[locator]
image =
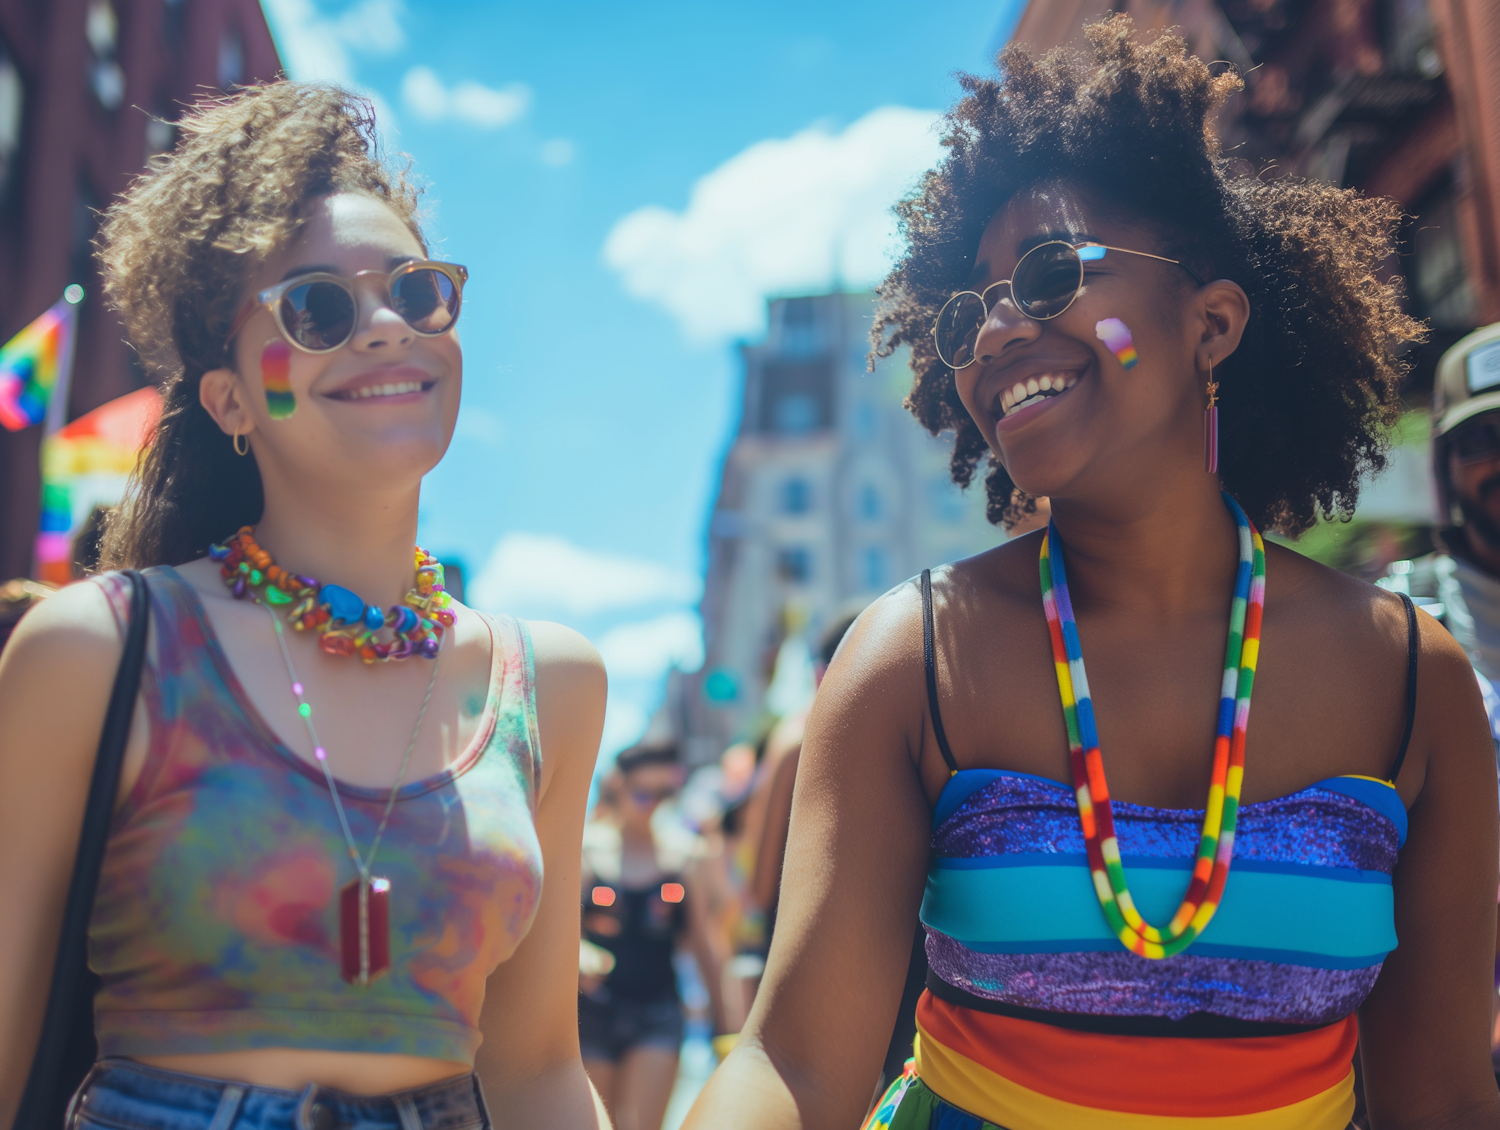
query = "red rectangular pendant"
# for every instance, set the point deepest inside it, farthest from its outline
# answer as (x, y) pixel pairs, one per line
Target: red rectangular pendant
(365, 930)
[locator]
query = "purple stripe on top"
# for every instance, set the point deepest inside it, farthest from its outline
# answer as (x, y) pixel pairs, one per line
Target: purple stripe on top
(1027, 814)
(1017, 814)
(1122, 984)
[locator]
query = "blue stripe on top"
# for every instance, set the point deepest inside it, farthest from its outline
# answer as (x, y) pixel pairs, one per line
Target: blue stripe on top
(1310, 886)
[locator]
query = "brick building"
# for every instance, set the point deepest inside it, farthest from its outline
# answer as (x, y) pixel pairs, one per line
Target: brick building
(1398, 98)
(88, 92)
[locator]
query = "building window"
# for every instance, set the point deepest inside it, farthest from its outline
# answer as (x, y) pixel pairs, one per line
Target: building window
(874, 567)
(161, 131)
(231, 59)
(870, 508)
(945, 501)
(794, 564)
(796, 413)
(12, 103)
(102, 29)
(801, 335)
(796, 496)
(1439, 275)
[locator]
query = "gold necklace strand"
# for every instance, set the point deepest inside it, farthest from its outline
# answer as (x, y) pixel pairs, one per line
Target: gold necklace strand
(362, 865)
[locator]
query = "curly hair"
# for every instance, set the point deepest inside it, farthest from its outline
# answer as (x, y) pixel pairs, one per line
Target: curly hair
(176, 248)
(1309, 396)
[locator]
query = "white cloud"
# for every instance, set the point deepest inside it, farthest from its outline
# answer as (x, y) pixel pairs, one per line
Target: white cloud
(558, 152)
(783, 215)
(542, 574)
(646, 649)
(316, 47)
(471, 102)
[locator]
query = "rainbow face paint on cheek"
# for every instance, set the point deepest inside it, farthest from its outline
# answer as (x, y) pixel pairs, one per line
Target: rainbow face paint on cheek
(1115, 334)
(276, 375)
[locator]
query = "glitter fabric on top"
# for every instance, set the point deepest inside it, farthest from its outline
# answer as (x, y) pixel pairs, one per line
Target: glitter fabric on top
(1121, 984)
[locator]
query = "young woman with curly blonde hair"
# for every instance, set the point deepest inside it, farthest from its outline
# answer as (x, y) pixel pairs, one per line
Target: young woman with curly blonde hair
(322, 901)
(1146, 905)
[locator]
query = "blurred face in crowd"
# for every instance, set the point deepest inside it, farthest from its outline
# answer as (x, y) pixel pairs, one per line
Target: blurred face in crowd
(645, 787)
(1475, 480)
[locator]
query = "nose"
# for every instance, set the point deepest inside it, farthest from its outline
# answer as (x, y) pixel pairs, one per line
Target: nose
(1004, 329)
(380, 327)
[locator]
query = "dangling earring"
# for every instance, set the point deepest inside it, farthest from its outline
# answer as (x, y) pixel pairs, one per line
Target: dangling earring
(1211, 424)
(236, 441)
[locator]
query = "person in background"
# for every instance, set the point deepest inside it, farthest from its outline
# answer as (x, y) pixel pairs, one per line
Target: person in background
(1466, 467)
(641, 901)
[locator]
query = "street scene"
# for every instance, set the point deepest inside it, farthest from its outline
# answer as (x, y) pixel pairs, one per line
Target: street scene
(484, 482)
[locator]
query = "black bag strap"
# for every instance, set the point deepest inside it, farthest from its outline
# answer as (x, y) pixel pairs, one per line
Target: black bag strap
(929, 664)
(1411, 684)
(66, 1049)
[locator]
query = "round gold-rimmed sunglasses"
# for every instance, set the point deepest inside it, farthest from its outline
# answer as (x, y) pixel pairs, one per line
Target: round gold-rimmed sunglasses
(319, 312)
(1045, 283)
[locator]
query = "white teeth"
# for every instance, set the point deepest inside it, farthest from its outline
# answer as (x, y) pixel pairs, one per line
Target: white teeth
(1025, 393)
(388, 390)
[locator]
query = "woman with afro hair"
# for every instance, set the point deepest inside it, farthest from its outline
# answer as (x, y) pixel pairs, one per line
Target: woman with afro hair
(1197, 925)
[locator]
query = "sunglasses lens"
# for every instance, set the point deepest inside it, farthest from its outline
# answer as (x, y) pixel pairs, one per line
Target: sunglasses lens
(1047, 279)
(318, 315)
(427, 299)
(958, 326)
(1478, 440)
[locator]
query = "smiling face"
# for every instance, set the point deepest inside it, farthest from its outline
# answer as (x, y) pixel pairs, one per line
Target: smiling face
(1114, 384)
(377, 411)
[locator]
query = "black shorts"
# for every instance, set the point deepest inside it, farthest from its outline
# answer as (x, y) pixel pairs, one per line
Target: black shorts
(608, 1029)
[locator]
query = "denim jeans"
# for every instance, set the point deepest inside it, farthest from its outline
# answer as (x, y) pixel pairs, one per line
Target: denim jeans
(122, 1095)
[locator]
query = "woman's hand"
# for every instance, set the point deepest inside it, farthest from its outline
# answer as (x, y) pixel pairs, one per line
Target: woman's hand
(529, 1062)
(811, 1052)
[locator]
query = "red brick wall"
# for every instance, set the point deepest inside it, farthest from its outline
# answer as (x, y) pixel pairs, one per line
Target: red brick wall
(74, 153)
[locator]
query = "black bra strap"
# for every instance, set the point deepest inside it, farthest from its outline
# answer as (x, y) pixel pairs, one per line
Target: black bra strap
(929, 662)
(1411, 684)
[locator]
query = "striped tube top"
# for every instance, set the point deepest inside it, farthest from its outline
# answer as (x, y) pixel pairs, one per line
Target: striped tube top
(1037, 1017)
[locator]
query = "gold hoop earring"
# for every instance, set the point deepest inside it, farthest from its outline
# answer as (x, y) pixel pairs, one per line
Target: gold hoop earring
(236, 441)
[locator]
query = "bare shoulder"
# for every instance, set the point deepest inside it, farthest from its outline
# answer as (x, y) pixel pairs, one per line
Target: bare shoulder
(1365, 614)
(73, 630)
(570, 691)
(565, 657)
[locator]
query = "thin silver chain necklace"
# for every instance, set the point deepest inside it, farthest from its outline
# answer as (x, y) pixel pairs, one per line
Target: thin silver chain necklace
(364, 905)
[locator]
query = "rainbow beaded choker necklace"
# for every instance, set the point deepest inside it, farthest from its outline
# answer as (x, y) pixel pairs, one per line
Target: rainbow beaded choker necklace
(345, 624)
(1216, 846)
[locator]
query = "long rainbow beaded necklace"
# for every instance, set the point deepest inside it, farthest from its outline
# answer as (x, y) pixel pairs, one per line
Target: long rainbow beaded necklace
(1095, 812)
(345, 624)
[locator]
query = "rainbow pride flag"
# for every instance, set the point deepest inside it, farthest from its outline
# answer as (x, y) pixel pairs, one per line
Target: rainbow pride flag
(32, 362)
(84, 465)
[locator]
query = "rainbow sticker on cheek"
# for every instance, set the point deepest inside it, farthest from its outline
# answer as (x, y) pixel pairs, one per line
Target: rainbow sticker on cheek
(276, 375)
(1115, 334)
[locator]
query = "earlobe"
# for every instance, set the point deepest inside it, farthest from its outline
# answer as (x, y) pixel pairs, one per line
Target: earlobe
(1226, 310)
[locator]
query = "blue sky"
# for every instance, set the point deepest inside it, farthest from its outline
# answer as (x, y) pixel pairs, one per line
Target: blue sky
(626, 183)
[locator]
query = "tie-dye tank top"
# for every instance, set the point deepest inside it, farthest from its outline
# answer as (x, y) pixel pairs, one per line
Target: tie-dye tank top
(216, 924)
(1036, 1017)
